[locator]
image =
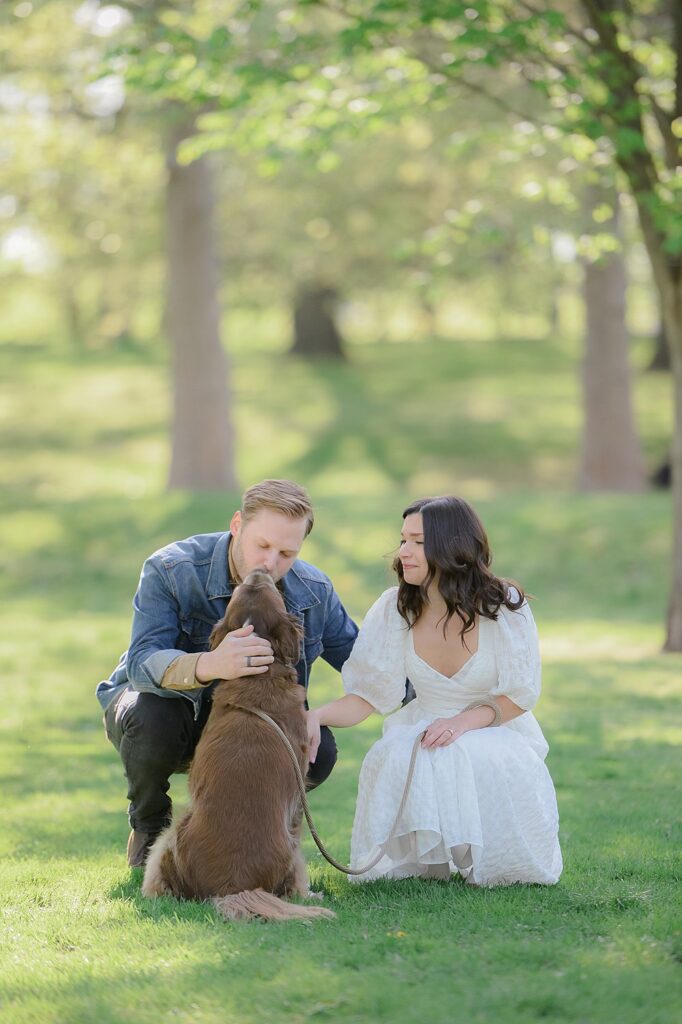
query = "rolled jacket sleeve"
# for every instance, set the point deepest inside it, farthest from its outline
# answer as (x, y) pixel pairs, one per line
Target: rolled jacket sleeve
(375, 669)
(517, 652)
(181, 674)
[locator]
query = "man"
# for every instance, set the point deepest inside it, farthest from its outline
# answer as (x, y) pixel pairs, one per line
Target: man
(158, 698)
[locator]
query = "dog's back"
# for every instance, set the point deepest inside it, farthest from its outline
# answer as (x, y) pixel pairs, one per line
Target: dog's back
(240, 833)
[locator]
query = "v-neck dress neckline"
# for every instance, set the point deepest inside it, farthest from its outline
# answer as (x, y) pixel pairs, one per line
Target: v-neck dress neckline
(442, 675)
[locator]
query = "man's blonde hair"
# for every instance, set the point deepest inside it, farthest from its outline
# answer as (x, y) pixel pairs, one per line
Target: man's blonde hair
(282, 496)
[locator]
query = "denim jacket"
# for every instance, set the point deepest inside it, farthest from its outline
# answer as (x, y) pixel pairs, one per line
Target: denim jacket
(184, 590)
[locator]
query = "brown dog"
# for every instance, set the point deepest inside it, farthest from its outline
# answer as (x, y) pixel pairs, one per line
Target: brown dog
(239, 843)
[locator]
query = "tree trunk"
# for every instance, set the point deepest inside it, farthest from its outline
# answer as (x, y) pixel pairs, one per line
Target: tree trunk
(673, 327)
(73, 314)
(428, 316)
(667, 272)
(202, 435)
(611, 458)
(553, 312)
(660, 360)
(315, 331)
(642, 171)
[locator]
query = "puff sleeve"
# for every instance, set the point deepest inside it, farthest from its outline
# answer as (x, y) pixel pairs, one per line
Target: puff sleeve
(518, 657)
(375, 669)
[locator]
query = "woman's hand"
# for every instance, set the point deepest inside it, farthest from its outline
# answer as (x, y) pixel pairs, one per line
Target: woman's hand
(444, 731)
(313, 725)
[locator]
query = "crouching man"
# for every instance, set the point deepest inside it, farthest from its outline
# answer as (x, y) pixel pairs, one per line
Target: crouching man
(157, 700)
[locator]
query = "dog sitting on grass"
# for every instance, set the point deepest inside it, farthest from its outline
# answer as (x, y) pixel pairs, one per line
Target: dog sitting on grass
(238, 845)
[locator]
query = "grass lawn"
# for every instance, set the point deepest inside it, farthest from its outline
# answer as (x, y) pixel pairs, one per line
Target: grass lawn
(82, 463)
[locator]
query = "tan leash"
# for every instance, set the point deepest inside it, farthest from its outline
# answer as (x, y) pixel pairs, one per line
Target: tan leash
(304, 799)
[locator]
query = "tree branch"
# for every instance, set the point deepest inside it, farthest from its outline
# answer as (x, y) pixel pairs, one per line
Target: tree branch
(664, 121)
(473, 87)
(677, 51)
(599, 12)
(576, 33)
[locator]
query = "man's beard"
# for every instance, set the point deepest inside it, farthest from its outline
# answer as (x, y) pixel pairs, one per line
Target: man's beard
(236, 570)
(234, 561)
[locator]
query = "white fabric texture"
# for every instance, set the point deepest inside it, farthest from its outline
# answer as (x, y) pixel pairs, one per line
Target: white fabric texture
(485, 805)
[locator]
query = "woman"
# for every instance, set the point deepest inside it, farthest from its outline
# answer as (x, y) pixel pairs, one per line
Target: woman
(481, 801)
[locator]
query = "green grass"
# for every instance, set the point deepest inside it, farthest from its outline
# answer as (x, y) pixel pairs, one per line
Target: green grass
(83, 458)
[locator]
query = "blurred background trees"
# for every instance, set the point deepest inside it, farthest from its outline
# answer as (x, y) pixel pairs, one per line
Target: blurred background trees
(79, 176)
(313, 178)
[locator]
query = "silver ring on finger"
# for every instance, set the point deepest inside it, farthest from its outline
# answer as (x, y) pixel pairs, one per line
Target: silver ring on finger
(451, 731)
(248, 661)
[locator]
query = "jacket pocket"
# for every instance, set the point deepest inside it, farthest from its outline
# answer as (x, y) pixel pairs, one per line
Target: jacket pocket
(196, 633)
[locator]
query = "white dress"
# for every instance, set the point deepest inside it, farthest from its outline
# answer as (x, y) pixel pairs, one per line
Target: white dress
(484, 806)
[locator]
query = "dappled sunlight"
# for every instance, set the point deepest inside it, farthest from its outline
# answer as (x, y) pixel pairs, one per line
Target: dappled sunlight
(443, 480)
(451, 423)
(644, 728)
(31, 529)
(653, 680)
(448, 242)
(84, 469)
(584, 640)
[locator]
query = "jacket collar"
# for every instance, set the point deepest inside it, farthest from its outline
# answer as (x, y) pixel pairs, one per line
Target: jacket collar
(218, 582)
(298, 596)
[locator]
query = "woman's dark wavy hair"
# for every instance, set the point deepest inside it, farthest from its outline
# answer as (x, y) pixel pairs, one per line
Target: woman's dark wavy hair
(458, 554)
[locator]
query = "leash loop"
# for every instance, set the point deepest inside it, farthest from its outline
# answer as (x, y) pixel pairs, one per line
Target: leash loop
(304, 798)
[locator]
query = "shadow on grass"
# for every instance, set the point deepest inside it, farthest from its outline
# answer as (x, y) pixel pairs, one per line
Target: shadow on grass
(94, 562)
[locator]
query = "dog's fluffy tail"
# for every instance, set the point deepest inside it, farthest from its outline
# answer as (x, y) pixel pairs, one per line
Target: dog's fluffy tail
(160, 869)
(252, 903)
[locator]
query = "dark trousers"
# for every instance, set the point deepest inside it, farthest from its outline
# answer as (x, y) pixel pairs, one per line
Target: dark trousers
(156, 738)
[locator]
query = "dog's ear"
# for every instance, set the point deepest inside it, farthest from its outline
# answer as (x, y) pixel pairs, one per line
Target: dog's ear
(285, 636)
(237, 614)
(218, 633)
(223, 627)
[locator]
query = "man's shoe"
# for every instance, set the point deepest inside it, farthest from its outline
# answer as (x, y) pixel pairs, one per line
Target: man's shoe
(139, 845)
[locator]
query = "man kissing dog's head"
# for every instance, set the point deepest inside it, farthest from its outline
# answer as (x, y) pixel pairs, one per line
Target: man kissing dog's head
(269, 529)
(257, 602)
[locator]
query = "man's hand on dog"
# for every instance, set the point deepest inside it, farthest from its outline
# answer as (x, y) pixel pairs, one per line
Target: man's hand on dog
(228, 660)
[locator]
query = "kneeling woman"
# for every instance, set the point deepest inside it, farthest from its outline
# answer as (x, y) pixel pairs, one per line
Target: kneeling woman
(481, 801)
